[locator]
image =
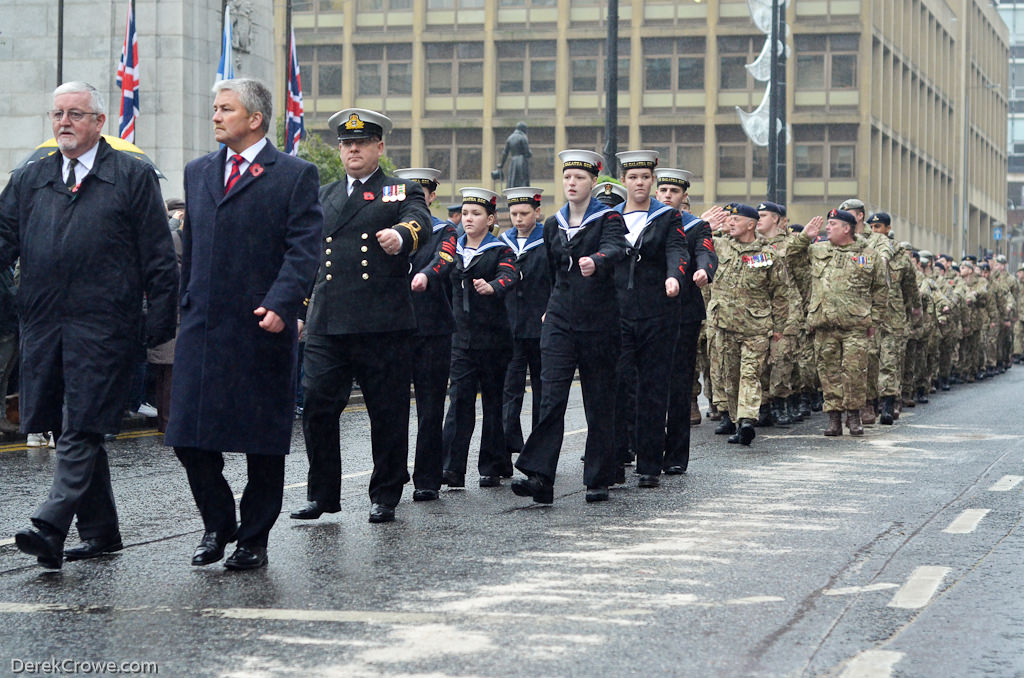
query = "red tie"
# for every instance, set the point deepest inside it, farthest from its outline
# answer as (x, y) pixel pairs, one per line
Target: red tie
(236, 173)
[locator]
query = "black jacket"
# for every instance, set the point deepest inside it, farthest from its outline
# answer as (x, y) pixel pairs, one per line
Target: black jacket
(527, 302)
(481, 320)
(702, 256)
(360, 288)
(586, 304)
(433, 306)
(659, 253)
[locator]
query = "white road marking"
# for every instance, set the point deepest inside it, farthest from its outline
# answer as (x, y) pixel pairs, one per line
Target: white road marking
(872, 664)
(967, 521)
(920, 588)
(6, 542)
(1006, 483)
(342, 616)
(848, 590)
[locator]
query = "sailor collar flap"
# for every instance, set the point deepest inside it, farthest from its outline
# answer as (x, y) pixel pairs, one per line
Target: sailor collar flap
(595, 210)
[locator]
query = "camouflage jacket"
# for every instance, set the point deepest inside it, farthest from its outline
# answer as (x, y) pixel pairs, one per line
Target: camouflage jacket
(848, 287)
(745, 286)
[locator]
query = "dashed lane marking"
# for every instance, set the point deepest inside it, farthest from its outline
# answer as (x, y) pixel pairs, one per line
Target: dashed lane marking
(967, 521)
(920, 588)
(1006, 483)
(848, 590)
(872, 664)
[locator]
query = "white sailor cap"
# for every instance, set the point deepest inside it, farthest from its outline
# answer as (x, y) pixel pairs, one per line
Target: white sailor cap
(520, 195)
(426, 176)
(637, 160)
(360, 123)
(676, 177)
(574, 158)
(609, 188)
(472, 195)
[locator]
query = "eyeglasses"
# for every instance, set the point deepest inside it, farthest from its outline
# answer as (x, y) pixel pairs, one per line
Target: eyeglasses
(75, 116)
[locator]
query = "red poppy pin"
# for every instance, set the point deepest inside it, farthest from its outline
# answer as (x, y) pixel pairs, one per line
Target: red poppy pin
(256, 169)
(367, 195)
(74, 189)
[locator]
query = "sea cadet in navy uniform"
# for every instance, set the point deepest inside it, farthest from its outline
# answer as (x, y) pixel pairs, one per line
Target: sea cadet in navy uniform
(673, 185)
(483, 274)
(526, 304)
(610, 193)
(584, 240)
(360, 319)
(648, 282)
(431, 300)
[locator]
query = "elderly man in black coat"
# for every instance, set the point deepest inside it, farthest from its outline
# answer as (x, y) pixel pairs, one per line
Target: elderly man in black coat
(90, 228)
(252, 222)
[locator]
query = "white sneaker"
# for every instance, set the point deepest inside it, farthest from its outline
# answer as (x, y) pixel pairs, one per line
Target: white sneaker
(36, 440)
(51, 441)
(146, 410)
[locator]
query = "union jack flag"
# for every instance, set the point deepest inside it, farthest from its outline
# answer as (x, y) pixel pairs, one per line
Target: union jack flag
(294, 127)
(128, 81)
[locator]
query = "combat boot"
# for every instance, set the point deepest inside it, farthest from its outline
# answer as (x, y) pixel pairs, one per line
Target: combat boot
(867, 414)
(835, 423)
(853, 423)
(695, 418)
(779, 413)
(793, 408)
(908, 401)
(726, 427)
(886, 417)
(764, 416)
(805, 405)
(943, 383)
(713, 413)
(818, 402)
(921, 397)
(744, 434)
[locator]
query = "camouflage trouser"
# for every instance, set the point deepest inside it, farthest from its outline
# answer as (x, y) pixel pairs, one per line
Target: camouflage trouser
(892, 347)
(808, 363)
(702, 366)
(717, 394)
(742, 362)
(1005, 343)
(948, 348)
(778, 378)
(991, 335)
(931, 370)
(871, 368)
(914, 366)
(842, 363)
(1018, 337)
(970, 355)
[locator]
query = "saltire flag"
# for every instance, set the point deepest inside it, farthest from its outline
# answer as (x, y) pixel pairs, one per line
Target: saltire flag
(294, 127)
(226, 67)
(128, 81)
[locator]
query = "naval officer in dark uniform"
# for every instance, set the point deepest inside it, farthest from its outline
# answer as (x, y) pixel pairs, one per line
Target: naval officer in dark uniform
(584, 240)
(360, 319)
(432, 302)
(525, 304)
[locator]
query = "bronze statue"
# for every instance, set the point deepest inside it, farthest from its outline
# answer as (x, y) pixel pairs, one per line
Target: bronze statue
(518, 147)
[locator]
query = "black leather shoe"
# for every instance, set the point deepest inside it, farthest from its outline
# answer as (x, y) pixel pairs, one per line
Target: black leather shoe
(533, 486)
(597, 494)
(453, 479)
(91, 548)
(379, 513)
(211, 548)
(45, 544)
(649, 481)
(313, 510)
(424, 495)
(247, 558)
(675, 470)
(490, 481)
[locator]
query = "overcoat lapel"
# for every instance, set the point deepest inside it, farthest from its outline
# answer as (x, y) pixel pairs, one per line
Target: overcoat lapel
(257, 169)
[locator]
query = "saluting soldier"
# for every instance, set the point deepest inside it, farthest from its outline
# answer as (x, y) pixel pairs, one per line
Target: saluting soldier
(525, 304)
(648, 281)
(584, 240)
(847, 299)
(360, 319)
(673, 185)
(483, 274)
(432, 345)
(742, 311)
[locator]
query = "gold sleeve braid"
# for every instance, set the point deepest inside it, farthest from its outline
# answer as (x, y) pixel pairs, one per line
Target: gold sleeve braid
(414, 231)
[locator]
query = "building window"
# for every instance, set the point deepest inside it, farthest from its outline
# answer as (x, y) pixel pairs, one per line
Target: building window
(526, 67)
(825, 151)
(384, 69)
(398, 147)
(320, 69)
(587, 62)
(673, 64)
(739, 158)
(826, 62)
(679, 146)
(735, 52)
(455, 68)
(456, 153)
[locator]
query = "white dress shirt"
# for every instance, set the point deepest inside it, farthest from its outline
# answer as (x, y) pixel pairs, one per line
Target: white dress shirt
(84, 166)
(249, 156)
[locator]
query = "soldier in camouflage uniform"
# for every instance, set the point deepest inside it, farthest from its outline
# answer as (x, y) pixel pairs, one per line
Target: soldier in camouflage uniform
(1018, 325)
(1006, 307)
(951, 331)
(937, 310)
(777, 381)
(990, 329)
(902, 303)
(741, 309)
(848, 297)
(805, 368)
(972, 358)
